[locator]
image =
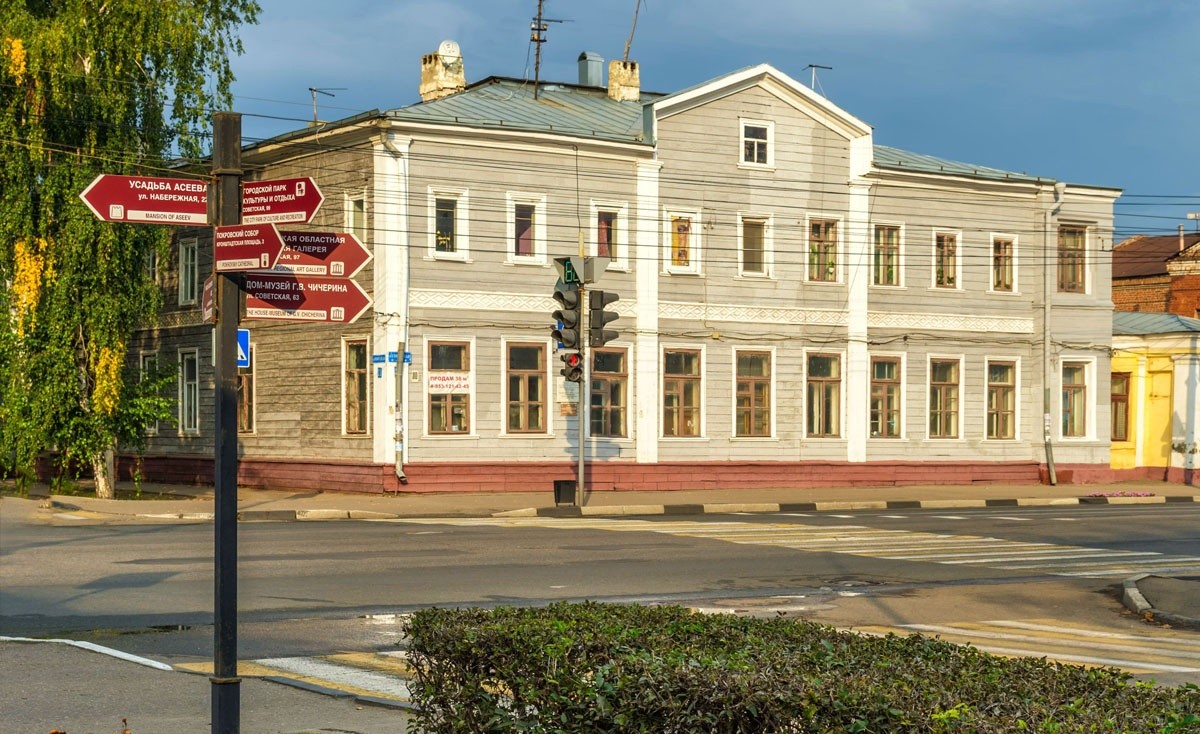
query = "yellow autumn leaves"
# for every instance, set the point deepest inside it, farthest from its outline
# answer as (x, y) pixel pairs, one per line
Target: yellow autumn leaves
(14, 56)
(33, 268)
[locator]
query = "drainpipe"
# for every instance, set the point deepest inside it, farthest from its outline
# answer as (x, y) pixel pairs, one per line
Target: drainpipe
(1047, 422)
(401, 456)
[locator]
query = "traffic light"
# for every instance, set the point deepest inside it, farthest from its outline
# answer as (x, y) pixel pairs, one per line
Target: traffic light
(572, 368)
(598, 317)
(568, 315)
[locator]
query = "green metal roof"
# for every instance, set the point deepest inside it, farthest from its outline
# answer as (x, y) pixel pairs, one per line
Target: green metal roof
(1135, 323)
(509, 104)
(902, 160)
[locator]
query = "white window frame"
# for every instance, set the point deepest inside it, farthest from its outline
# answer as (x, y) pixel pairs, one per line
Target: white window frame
(621, 209)
(839, 249)
(743, 123)
(188, 405)
(1087, 256)
(694, 242)
(662, 377)
(768, 244)
(1017, 402)
(1089, 398)
(899, 255)
(842, 367)
(346, 341)
(359, 230)
(962, 404)
(462, 221)
(733, 425)
(189, 271)
(958, 260)
(1016, 249)
(902, 358)
(143, 359)
(473, 360)
(538, 202)
(630, 375)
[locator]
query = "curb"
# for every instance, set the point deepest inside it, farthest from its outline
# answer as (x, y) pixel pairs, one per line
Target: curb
(839, 506)
(1136, 602)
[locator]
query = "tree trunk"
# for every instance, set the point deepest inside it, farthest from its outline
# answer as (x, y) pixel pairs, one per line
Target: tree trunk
(104, 471)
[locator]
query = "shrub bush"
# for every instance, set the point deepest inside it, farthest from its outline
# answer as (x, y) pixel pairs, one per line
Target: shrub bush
(593, 668)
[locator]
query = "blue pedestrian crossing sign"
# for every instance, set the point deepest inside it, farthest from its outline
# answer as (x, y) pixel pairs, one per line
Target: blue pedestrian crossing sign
(243, 351)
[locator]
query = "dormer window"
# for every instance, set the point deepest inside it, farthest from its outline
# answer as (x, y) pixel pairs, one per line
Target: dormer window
(756, 143)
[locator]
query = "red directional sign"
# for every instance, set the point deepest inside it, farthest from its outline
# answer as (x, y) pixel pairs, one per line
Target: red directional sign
(322, 253)
(282, 200)
(246, 247)
(115, 198)
(283, 297)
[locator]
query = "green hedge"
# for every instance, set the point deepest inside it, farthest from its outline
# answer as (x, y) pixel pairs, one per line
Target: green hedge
(578, 668)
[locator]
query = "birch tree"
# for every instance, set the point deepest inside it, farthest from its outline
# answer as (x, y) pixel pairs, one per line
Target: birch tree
(90, 87)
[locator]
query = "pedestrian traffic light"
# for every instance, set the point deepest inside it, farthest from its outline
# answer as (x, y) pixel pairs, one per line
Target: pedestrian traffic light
(568, 316)
(599, 316)
(572, 366)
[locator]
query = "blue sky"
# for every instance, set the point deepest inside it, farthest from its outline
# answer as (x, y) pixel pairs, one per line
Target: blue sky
(1099, 92)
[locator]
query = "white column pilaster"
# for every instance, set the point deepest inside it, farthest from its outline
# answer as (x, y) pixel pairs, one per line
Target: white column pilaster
(389, 244)
(858, 278)
(646, 263)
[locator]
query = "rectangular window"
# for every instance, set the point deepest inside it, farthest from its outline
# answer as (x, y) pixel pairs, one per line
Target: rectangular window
(885, 397)
(753, 406)
(188, 275)
(449, 388)
(610, 393)
(1074, 400)
(681, 392)
(354, 386)
(822, 250)
(606, 233)
(189, 392)
(1120, 407)
(149, 370)
(756, 138)
(1002, 264)
(526, 388)
(1072, 260)
(945, 258)
(523, 230)
(448, 222)
(356, 217)
(1001, 400)
(885, 264)
(150, 264)
(681, 234)
(245, 396)
(943, 398)
(754, 246)
(824, 395)
(445, 217)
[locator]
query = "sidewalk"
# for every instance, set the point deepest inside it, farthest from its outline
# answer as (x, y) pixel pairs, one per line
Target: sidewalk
(1170, 600)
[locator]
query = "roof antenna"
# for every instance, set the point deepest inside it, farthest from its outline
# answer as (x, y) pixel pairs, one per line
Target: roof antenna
(629, 42)
(327, 91)
(814, 67)
(538, 27)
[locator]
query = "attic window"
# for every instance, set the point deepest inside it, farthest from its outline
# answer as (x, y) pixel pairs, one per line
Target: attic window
(756, 143)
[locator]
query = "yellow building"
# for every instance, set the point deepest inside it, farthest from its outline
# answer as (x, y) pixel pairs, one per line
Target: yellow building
(1155, 415)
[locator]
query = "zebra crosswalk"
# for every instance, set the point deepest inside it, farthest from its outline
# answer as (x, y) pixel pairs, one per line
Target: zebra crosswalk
(378, 677)
(1150, 652)
(900, 545)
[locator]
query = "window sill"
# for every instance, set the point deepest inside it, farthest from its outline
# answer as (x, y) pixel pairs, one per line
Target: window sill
(532, 434)
(753, 439)
(993, 292)
(529, 261)
(944, 289)
(451, 436)
(824, 283)
(449, 258)
(682, 439)
(886, 287)
(692, 273)
(747, 166)
(755, 276)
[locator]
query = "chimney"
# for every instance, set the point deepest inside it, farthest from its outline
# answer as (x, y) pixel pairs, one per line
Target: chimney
(442, 72)
(624, 82)
(591, 69)
(1181, 239)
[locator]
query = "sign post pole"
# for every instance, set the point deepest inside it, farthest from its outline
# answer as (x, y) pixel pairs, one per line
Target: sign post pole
(226, 693)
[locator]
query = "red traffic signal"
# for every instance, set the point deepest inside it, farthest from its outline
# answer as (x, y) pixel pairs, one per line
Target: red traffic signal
(572, 368)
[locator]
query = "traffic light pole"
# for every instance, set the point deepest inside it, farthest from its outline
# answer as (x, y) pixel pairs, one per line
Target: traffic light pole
(584, 395)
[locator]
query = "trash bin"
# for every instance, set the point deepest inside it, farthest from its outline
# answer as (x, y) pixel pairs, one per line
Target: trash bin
(564, 491)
